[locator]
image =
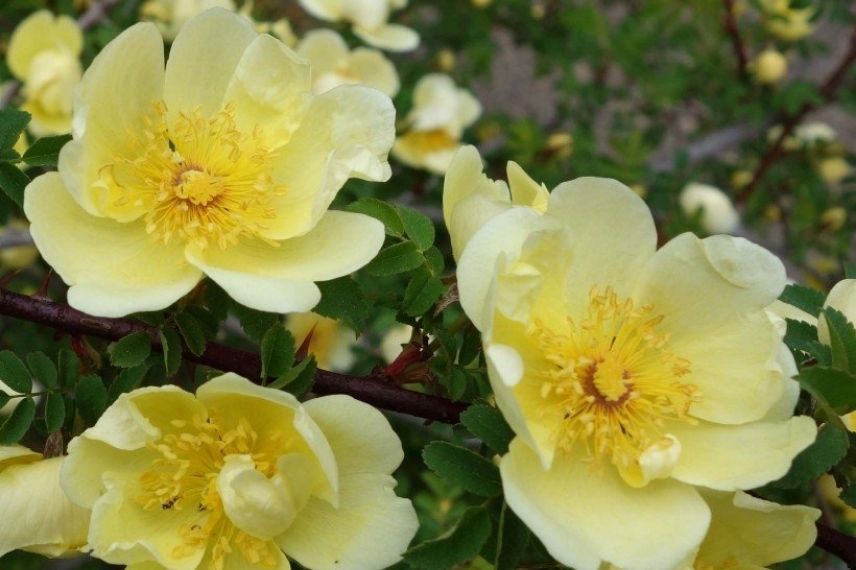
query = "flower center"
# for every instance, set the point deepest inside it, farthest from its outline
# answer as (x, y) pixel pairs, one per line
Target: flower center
(201, 179)
(183, 482)
(610, 383)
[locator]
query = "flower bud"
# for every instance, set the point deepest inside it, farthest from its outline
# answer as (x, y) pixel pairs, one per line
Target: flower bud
(834, 169)
(770, 67)
(718, 215)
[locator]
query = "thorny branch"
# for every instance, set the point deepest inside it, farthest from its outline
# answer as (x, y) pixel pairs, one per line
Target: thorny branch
(740, 52)
(373, 390)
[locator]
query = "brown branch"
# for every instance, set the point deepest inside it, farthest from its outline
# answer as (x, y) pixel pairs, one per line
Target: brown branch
(828, 91)
(729, 22)
(841, 545)
(373, 390)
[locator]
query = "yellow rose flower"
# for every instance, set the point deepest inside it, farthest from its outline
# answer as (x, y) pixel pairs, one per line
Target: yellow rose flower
(230, 478)
(43, 54)
(334, 65)
(786, 23)
(770, 67)
(631, 376)
(171, 15)
(833, 169)
(370, 21)
(718, 215)
(37, 516)
(223, 165)
(331, 341)
(441, 111)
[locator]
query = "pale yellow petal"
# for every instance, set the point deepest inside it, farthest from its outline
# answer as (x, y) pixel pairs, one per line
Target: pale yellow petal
(586, 516)
(324, 9)
(118, 92)
(728, 457)
(346, 133)
(391, 37)
(360, 436)
(369, 530)
(39, 32)
(16, 455)
(372, 69)
(753, 531)
(325, 50)
(842, 297)
(37, 516)
(203, 60)
(524, 190)
(102, 259)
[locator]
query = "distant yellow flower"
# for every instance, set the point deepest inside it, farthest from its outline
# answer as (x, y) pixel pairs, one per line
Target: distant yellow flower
(331, 341)
(223, 165)
(232, 477)
(171, 15)
(37, 516)
(370, 21)
(786, 23)
(43, 54)
(630, 376)
(441, 111)
(281, 29)
(334, 65)
(833, 169)
(770, 67)
(718, 215)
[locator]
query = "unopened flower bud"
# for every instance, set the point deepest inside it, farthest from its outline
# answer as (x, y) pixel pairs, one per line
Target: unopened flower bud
(770, 67)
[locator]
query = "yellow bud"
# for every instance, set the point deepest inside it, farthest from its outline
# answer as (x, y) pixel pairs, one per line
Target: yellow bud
(770, 67)
(833, 219)
(740, 178)
(560, 145)
(538, 11)
(446, 60)
(833, 169)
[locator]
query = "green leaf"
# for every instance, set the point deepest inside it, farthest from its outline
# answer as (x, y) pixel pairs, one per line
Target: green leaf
(421, 293)
(382, 211)
(842, 339)
(17, 424)
(298, 381)
(13, 182)
(435, 259)
(14, 374)
(805, 298)
(255, 323)
(277, 351)
(343, 300)
(43, 369)
(12, 124)
(512, 538)
(829, 448)
(419, 228)
(486, 423)
(128, 379)
(4, 398)
(131, 350)
(800, 336)
(396, 258)
(463, 467)
(69, 367)
(835, 387)
(192, 332)
(45, 151)
(54, 411)
(460, 544)
(171, 346)
(90, 394)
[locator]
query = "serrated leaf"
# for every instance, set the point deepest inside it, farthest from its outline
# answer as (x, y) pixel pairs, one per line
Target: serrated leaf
(12, 124)
(13, 182)
(19, 421)
(457, 383)
(68, 367)
(435, 259)
(842, 339)
(486, 423)
(128, 379)
(836, 388)
(131, 350)
(298, 380)
(818, 458)
(45, 151)
(423, 290)
(192, 332)
(14, 373)
(382, 211)
(804, 298)
(255, 323)
(43, 369)
(277, 351)
(90, 395)
(54, 411)
(206, 319)
(512, 538)
(397, 258)
(463, 467)
(419, 228)
(343, 300)
(460, 544)
(171, 347)
(800, 336)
